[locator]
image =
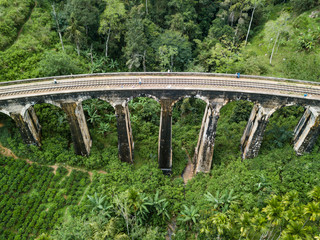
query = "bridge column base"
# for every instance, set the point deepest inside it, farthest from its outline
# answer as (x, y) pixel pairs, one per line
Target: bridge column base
(253, 134)
(307, 131)
(29, 126)
(125, 140)
(165, 137)
(78, 126)
(204, 151)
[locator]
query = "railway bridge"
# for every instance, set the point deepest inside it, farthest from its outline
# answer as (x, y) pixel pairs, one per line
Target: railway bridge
(68, 92)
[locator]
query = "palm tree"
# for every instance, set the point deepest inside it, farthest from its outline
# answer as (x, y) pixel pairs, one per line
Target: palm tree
(189, 215)
(102, 229)
(93, 116)
(222, 223)
(160, 205)
(274, 211)
(221, 201)
(255, 3)
(75, 32)
(296, 230)
(315, 194)
(98, 204)
(104, 128)
(312, 209)
(245, 223)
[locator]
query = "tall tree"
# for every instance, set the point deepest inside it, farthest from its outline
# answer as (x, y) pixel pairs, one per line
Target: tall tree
(178, 46)
(275, 29)
(86, 12)
(75, 33)
(135, 38)
(110, 20)
(255, 4)
(54, 13)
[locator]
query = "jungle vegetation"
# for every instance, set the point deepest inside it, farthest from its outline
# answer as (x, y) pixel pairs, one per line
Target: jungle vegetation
(51, 193)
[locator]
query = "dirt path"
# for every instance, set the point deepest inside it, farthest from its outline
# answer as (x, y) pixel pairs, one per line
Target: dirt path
(188, 171)
(7, 152)
(21, 29)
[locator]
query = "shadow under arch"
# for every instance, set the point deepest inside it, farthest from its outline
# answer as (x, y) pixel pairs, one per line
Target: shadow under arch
(8, 130)
(102, 125)
(280, 128)
(231, 125)
(145, 121)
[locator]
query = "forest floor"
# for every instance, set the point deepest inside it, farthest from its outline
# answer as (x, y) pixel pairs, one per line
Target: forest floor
(7, 152)
(188, 172)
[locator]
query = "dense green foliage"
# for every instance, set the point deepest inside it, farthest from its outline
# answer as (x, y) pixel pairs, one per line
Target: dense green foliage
(34, 199)
(236, 199)
(262, 37)
(273, 196)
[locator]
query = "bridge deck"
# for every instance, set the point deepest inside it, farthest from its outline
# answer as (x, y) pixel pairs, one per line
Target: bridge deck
(150, 81)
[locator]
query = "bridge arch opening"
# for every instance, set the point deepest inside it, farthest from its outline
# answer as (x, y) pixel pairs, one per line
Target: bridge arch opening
(144, 96)
(53, 121)
(145, 121)
(187, 115)
(280, 128)
(102, 125)
(55, 135)
(230, 128)
(8, 131)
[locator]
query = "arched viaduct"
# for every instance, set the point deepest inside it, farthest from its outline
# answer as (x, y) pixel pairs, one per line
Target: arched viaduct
(268, 94)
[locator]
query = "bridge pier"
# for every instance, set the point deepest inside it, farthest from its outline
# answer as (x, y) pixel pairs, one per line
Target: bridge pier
(29, 126)
(204, 151)
(253, 134)
(78, 126)
(165, 136)
(307, 131)
(125, 139)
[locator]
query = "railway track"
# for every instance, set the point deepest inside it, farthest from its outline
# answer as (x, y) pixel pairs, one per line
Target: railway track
(157, 82)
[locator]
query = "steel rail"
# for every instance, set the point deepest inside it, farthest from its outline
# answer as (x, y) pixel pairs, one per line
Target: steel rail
(21, 89)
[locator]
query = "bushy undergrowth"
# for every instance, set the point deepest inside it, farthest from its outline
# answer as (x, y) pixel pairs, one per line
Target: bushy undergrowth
(232, 190)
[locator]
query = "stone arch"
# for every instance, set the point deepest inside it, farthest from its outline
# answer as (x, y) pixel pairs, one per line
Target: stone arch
(186, 126)
(197, 96)
(145, 145)
(7, 125)
(99, 115)
(231, 122)
(281, 125)
(146, 95)
(5, 112)
(53, 120)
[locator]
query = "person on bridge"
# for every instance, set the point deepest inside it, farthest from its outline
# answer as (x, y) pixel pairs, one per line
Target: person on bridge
(55, 81)
(140, 81)
(238, 75)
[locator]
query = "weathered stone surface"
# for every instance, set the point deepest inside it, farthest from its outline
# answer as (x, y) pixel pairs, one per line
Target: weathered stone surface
(165, 136)
(114, 95)
(125, 139)
(204, 151)
(29, 126)
(307, 131)
(253, 134)
(78, 126)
